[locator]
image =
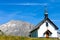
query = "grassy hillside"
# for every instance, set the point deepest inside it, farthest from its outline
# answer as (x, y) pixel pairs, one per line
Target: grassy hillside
(24, 38)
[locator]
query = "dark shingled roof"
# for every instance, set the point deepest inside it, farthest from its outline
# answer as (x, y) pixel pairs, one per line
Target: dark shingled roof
(37, 26)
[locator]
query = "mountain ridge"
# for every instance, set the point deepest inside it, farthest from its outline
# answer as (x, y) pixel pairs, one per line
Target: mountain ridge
(17, 28)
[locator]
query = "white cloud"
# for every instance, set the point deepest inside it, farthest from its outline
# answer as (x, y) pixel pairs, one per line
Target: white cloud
(32, 4)
(56, 20)
(24, 4)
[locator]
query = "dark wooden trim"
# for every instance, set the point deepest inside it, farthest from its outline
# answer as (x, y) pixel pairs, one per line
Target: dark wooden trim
(38, 25)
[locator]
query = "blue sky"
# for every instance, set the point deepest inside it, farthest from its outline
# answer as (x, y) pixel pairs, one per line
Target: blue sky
(31, 11)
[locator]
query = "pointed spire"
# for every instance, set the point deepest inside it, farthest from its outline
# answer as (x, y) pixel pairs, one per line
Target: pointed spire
(46, 12)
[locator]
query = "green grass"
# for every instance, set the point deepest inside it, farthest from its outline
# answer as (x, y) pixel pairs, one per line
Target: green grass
(24, 38)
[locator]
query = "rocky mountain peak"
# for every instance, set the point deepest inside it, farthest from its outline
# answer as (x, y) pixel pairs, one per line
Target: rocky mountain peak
(18, 28)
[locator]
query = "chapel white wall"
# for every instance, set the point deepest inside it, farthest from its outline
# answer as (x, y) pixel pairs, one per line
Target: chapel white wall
(43, 28)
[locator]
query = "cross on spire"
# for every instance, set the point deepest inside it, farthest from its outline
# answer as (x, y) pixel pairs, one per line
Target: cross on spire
(46, 12)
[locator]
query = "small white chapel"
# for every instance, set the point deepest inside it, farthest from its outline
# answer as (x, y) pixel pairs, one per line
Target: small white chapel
(46, 28)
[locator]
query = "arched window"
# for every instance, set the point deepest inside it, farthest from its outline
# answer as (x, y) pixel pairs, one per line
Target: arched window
(47, 24)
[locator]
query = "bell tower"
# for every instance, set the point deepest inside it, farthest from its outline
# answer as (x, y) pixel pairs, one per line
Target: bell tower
(46, 13)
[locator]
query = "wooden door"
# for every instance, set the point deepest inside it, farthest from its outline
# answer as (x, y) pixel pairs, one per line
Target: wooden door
(47, 36)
